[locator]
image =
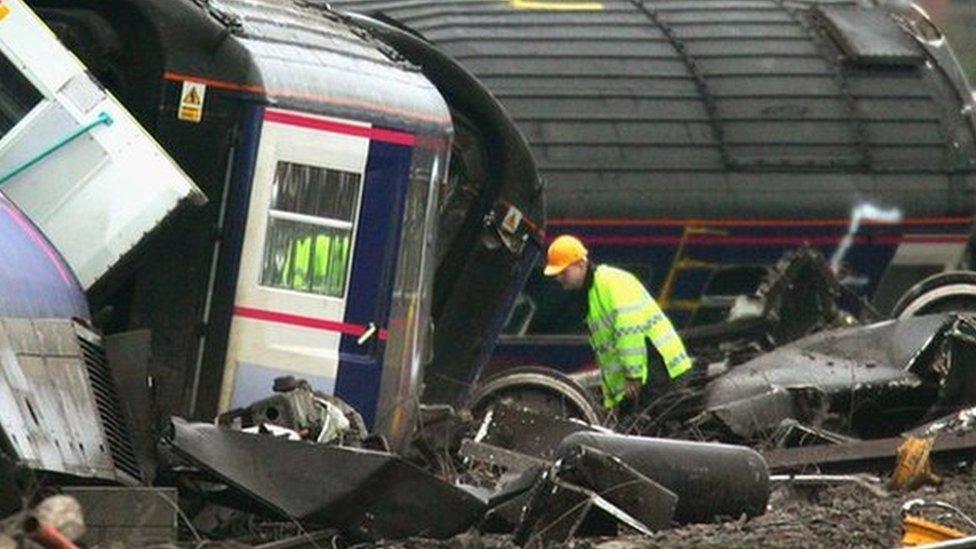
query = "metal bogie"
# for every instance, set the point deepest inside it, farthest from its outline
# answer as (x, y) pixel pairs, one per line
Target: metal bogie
(539, 389)
(953, 291)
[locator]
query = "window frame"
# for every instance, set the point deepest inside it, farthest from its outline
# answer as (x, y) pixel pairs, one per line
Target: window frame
(330, 223)
(42, 98)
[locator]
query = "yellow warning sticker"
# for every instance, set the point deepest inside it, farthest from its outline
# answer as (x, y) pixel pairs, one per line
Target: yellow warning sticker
(191, 102)
(557, 5)
(4, 11)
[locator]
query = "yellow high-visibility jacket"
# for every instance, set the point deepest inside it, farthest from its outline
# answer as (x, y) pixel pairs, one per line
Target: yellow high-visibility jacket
(320, 268)
(621, 315)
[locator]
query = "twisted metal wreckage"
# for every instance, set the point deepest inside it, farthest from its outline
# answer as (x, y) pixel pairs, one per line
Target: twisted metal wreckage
(301, 457)
(802, 371)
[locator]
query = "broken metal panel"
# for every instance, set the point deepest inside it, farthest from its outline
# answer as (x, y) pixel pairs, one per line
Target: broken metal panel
(801, 381)
(643, 499)
(957, 383)
(554, 513)
(525, 431)
(58, 409)
(367, 494)
(587, 492)
(800, 296)
(508, 459)
(757, 413)
(870, 36)
(710, 480)
(890, 343)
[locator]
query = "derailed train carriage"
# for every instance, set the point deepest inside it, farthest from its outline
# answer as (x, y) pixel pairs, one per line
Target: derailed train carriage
(340, 243)
(695, 142)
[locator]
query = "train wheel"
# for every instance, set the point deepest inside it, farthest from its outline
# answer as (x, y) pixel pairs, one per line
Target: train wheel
(537, 388)
(944, 292)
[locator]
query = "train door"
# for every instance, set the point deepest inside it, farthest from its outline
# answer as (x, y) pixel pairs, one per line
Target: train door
(313, 281)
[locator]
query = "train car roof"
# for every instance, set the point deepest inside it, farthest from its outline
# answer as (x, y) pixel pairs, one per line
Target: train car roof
(667, 102)
(302, 57)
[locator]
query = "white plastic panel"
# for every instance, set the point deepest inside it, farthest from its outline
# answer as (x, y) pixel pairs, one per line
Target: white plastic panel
(97, 196)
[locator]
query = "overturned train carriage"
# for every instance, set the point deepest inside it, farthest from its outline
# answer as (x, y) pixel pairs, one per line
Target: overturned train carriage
(700, 140)
(59, 410)
(343, 241)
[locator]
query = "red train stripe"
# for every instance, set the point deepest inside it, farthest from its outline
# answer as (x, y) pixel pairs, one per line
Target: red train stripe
(305, 322)
(375, 134)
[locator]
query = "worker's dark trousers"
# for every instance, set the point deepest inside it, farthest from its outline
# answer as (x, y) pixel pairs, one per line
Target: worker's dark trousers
(658, 383)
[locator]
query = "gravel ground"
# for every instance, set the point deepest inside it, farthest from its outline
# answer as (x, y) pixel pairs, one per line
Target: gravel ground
(838, 516)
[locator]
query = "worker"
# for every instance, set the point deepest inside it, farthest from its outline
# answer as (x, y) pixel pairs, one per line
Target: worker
(318, 268)
(639, 353)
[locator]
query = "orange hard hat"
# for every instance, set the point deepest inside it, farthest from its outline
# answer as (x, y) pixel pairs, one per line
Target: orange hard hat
(563, 252)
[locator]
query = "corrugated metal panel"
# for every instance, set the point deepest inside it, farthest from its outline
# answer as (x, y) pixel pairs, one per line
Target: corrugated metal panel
(59, 410)
(107, 400)
(646, 97)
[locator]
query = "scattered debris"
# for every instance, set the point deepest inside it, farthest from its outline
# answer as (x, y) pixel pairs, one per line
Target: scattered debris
(870, 483)
(589, 492)
(799, 296)
(907, 371)
(918, 531)
(296, 407)
(711, 480)
(866, 455)
(63, 513)
(528, 432)
(914, 467)
(367, 494)
(511, 461)
(46, 535)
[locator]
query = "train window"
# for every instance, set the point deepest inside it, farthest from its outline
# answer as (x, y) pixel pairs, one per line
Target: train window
(310, 222)
(17, 96)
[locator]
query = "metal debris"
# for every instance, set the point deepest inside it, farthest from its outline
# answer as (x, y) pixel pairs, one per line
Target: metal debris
(870, 483)
(844, 380)
(295, 406)
(587, 492)
(525, 431)
(914, 466)
(918, 531)
(711, 480)
(867, 455)
(366, 494)
(510, 460)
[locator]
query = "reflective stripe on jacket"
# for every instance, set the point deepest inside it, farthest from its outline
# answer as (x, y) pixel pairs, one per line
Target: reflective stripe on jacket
(621, 315)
